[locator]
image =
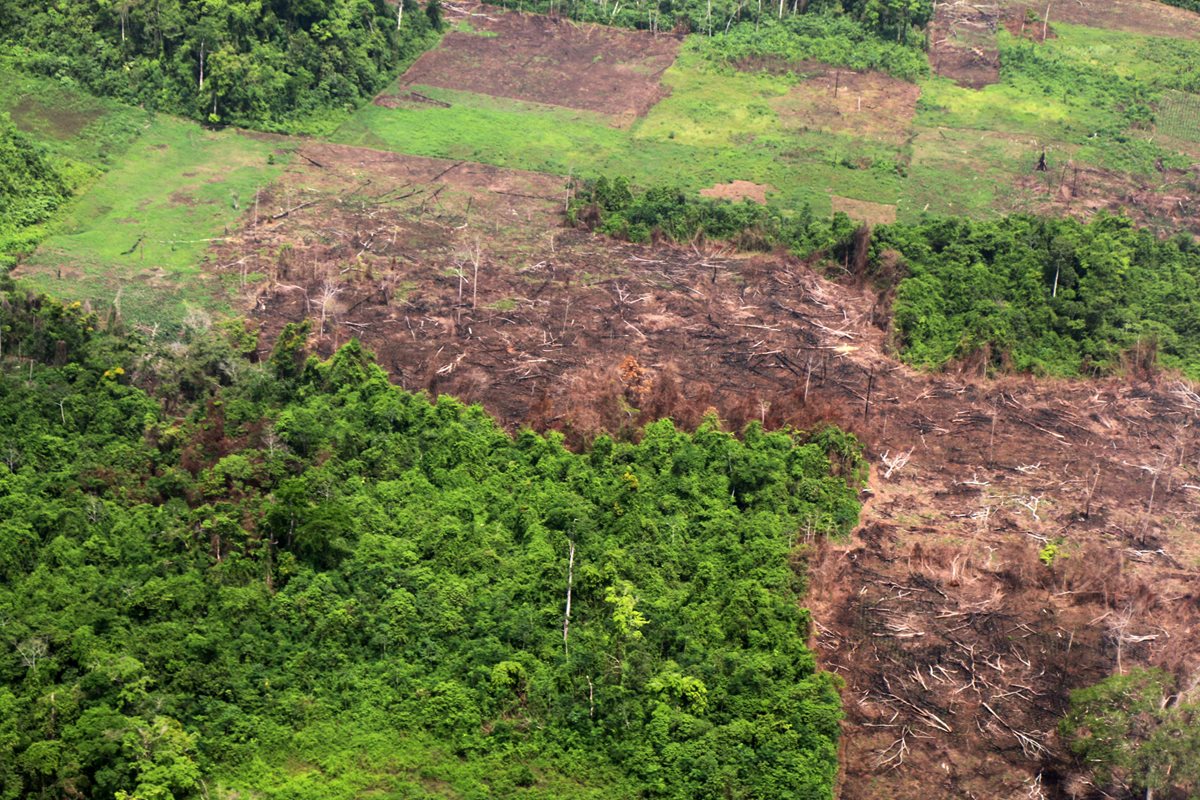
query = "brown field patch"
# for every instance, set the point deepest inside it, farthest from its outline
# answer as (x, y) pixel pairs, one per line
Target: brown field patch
(61, 123)
(872, 213)
(1167, 202)
(865, 104)
(739, 190)
(550, 60)
(963, 44)
(1147, 17)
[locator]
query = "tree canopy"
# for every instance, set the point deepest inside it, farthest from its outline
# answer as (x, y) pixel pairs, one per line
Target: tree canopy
(269, 64)
(31, 188)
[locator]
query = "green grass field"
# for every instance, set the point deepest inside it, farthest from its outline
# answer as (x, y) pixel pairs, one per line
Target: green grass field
(142, 231)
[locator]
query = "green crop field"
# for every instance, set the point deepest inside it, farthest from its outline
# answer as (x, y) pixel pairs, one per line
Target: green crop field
(140, 233)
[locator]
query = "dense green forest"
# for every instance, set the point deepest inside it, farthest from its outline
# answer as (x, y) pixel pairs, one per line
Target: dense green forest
(1043, 295)
(893, 20)
(1190, 5)
(1021, 293)
(281, 65)
(31, 188)
(209, 566)
(827, 38)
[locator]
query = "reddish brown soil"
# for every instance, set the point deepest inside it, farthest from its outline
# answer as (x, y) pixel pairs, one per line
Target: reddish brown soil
(739, 190)
(550, 60)
(963, 44)
(1147, 17)
(957, 645)
(870, 105)
(1168, 201)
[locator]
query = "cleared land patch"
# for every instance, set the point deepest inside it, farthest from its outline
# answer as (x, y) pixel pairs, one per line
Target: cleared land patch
(963, 44)
(1146, 17)
(874, 213)
(870, 105)
(138, 237)
(550, 60)
(738, 190)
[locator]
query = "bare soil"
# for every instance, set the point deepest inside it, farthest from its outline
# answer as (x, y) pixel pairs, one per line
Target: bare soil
(739, 190)
(550, 60)
(873, 213)
(1168, 201)
(957, 644)
(963, 43)
(1147, 17)
(870, 105)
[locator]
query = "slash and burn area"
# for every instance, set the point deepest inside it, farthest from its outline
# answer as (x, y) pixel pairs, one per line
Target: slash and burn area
(1022, 537)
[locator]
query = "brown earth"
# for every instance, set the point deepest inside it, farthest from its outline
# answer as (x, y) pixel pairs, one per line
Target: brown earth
(873, 213)
(550, 60)
(957, 644)
(739, 190)
(962, 43)
(870, 105)
(1147, 17)
(1168, 201)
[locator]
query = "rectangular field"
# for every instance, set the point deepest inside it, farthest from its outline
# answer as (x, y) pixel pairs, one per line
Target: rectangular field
(550, 60)
(140, 234)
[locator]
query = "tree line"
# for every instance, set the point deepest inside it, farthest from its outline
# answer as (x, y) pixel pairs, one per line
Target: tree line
(279, 65)
(1020, 293)
(901, 21)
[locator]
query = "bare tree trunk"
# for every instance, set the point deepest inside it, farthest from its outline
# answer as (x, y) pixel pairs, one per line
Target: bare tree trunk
(475, 277)
(202, 65)
(567, 615)
(399, 13)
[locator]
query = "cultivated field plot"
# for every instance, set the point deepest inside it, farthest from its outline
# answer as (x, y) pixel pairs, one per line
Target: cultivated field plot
(1146, 17)
(867, 105)
(137, 238)
(549, 60)
(975, 149)
(1179, 116)
(722, 124)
